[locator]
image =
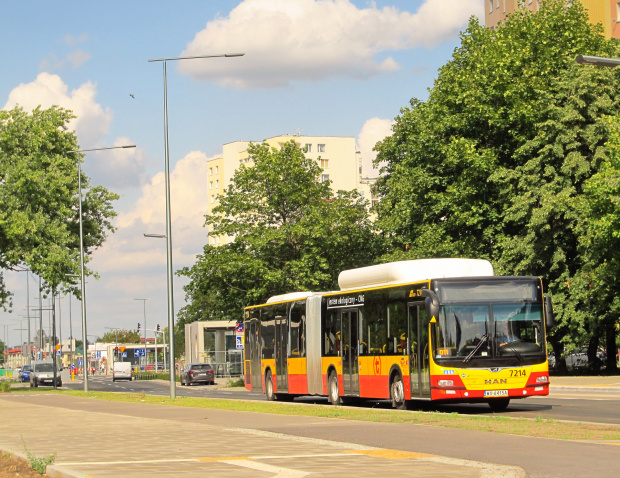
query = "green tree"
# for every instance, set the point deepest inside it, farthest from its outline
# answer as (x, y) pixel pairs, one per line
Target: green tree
(494, 163)
(121, 336)
(601, 241)
(39, 220)
(290, 232)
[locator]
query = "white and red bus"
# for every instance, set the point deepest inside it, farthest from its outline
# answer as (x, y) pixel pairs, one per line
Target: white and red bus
(431, 329)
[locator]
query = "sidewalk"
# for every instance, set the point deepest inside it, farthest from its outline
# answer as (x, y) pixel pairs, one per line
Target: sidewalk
(96, 438)
(610, 384)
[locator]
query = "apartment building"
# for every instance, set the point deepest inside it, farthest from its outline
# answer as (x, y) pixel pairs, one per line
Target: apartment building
(337, 156)
(605, 12)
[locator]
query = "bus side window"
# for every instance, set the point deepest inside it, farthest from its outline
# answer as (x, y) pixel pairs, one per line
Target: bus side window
(397, 328)
(332, 334)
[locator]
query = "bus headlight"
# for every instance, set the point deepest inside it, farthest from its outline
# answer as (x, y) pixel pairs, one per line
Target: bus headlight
(542, 379)
(445, 383)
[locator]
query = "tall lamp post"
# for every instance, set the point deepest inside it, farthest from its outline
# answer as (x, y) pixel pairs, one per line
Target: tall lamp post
(168, 222)
(82, 280)
(146, 362)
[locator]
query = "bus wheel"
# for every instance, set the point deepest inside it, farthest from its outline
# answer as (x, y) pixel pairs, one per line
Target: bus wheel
(499, 404)
(332, 389)
(398, 393)
(269, 387)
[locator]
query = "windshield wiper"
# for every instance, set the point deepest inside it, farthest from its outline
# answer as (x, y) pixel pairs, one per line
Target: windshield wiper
(483, 340)
(514, 351)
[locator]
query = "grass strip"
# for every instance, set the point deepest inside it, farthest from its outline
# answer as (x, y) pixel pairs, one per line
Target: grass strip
(539, 427)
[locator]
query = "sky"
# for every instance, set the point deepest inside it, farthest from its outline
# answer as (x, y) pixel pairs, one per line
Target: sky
(311, 67)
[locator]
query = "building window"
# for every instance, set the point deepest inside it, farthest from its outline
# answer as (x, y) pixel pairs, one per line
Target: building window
(324, 163)
(320, 148)
(210, 184)
(308, 148)
(212, 198)
(217, 184)
(210, 171)
(490, 6)
(324, 177)
(216, 169)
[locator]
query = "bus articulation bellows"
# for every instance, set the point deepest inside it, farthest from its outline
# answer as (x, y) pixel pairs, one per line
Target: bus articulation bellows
(431, 329)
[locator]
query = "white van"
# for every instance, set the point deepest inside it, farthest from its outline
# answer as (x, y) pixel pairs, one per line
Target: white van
(121, 371)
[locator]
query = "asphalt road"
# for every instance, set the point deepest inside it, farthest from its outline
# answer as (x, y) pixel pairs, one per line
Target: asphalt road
(583, 406)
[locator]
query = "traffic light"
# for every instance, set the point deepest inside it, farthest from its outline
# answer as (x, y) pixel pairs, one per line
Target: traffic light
(158, 329)
(138, 326)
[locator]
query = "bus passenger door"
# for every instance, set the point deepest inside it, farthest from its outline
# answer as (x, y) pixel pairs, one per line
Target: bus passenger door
(418, 346)
(350, 369)
(281, 354)
(254, 353)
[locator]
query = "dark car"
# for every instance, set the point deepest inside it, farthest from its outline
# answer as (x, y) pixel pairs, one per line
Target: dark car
(24, 374)
(197, 372)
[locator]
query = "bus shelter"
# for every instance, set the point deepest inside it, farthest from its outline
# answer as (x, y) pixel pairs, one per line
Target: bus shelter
(215, 342)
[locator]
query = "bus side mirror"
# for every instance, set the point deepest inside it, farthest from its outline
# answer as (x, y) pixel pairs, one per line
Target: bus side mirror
(550, 318)
(431, 302)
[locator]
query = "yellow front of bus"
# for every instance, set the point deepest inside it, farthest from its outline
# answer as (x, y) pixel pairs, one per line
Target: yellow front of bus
(488, 340)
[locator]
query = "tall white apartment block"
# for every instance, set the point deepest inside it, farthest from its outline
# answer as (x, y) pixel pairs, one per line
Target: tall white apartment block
(337, 156)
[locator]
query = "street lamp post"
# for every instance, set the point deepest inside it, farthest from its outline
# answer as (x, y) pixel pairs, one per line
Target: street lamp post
(597, 61)
(146, 362)
(82, 279)
(168, 222)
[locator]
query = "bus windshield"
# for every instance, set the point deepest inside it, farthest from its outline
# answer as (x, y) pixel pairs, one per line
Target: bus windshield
(511, 333)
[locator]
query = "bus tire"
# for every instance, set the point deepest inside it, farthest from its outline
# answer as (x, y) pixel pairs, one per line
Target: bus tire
(333, 393)
(499, 404)
(269, 387)
(397, 393)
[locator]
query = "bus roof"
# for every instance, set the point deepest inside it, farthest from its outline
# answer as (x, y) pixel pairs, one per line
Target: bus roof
(403, 272)
(289, 296)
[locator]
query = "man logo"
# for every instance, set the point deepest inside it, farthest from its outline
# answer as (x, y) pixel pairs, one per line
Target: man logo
(495, 381)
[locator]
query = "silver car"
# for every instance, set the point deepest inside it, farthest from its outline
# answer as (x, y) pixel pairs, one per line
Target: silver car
(42, 373)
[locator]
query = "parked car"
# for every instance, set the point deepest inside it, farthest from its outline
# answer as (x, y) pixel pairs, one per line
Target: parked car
(24, 375)
(578, 358)
(197, 372)
(160, 366)
(42, 373)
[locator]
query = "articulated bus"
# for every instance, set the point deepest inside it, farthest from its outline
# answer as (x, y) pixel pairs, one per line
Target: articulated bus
(432, 329)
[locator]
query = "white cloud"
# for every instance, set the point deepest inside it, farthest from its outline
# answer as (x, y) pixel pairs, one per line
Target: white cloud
(72, 40)
(312, 40)
(78, 58)
(116, 168)
(132, 265)
(129, 249)
(92, 121)
(374, 130)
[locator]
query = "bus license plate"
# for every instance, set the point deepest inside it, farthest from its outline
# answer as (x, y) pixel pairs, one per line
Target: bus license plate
(496, 393)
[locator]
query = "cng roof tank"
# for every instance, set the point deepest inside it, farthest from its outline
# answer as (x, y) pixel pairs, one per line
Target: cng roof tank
(404, 272)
